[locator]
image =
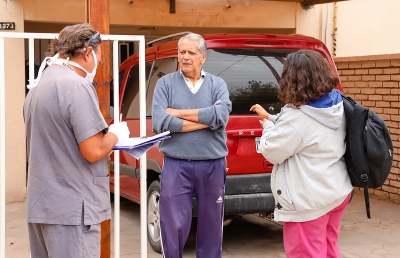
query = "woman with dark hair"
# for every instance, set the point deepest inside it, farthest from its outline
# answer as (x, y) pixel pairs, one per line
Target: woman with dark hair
(68, 142)
(306, 144)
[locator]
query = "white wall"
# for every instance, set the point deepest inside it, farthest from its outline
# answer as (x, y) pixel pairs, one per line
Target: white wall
(316, 22)
(12, 11)
(368, 27)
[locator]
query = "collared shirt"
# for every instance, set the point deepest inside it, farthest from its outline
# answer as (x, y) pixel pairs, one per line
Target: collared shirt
(194, 88)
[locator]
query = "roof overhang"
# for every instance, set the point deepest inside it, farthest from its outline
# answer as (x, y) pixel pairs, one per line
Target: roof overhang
(306, 4)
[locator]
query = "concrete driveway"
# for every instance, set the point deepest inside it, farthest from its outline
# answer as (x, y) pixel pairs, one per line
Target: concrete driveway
(247, 236)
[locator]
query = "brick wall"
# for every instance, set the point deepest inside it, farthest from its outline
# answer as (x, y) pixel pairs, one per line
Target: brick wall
(373, 81)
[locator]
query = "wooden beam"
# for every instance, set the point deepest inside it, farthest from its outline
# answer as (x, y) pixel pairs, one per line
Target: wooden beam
(309, 2)
(314, 2)
(285, 0)
(172, 6)
(98, 15)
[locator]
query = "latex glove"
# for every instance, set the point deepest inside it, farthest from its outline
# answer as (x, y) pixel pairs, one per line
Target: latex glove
(121, 130)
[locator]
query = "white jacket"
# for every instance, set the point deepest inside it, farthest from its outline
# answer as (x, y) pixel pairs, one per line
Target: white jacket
(306, 146)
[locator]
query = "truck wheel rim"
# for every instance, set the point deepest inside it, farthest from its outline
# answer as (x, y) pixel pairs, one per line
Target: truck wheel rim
(153, 216)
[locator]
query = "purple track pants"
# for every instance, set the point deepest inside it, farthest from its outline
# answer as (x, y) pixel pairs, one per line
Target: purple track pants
(180, 179)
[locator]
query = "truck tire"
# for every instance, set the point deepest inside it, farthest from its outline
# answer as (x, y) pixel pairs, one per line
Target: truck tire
(153, 216)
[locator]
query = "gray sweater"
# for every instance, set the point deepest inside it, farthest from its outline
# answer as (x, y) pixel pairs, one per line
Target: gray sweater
(172, 92)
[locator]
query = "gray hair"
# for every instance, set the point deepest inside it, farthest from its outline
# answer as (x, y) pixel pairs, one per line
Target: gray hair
(202, 46)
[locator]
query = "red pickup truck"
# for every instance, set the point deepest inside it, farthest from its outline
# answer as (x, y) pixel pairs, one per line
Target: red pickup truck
(251, 65)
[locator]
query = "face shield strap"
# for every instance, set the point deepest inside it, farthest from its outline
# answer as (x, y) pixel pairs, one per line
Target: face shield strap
(94, 36)
(64, 62)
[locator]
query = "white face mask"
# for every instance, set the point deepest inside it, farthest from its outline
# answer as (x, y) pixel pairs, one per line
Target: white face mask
(89, 76)
(49, 61)
(55, 60)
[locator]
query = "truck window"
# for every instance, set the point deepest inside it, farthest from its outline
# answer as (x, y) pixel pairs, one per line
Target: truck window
(121, 77)
(130, 101)
(251, 74)
(161, 68)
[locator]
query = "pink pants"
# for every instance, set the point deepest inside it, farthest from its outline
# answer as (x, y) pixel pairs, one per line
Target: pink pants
(316, 238)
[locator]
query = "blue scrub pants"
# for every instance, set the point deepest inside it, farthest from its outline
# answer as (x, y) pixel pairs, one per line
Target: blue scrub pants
(179, 181)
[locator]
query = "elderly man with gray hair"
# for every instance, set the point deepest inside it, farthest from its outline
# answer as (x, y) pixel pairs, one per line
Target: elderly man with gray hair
(194, 106)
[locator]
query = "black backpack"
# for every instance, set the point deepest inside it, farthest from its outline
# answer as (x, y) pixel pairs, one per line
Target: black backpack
(369, 149)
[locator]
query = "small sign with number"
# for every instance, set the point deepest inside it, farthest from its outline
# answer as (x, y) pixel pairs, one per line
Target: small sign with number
(7, 25)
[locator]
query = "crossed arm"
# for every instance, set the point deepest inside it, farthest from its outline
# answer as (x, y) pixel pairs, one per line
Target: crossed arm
(190, 118)
(174, 120)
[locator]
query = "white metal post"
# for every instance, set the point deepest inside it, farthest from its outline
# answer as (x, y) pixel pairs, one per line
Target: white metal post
(143, 159)
(31, 44)
(116, 153)
(31, 59)
(2, 152)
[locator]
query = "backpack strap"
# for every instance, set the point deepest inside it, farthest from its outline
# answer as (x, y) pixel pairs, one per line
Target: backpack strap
(366, 197)
(356, 144)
